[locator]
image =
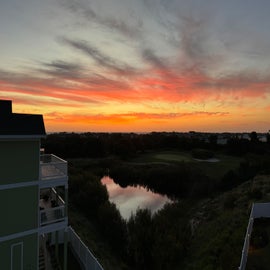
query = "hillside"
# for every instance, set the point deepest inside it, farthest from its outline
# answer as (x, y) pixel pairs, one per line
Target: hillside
(220, 225)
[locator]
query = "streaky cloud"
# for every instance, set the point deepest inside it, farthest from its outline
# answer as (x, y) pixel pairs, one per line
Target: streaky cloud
(62, 65)
(150, 57)
(100, 58)
(251, 83)
(129, 117)
(88, 14)
(62, 69)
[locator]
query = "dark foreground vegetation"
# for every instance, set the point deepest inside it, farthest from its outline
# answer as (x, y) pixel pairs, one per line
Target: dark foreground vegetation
(205, 226)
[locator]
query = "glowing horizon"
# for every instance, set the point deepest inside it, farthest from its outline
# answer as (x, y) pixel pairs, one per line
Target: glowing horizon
(154, 66)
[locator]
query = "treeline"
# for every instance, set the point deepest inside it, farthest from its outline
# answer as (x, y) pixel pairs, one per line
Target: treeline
(184, 180)
(126, 145)
(174, 180)
(123, 145)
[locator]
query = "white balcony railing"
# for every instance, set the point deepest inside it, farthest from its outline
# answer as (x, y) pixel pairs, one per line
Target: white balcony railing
(258, 210)
(82, 252)
(52, 167)
(56, 197)
(52, 208)
(52, 215)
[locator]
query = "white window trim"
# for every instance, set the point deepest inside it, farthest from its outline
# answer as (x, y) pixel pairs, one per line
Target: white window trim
(41, 230)
(11, 247)
(19, 185)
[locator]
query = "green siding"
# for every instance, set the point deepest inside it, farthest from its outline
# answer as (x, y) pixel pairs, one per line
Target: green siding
(20, 209)
(30, 252)
(19, 161)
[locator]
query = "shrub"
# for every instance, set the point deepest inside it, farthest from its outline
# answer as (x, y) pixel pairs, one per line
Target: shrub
(229, 201)
(255, 193)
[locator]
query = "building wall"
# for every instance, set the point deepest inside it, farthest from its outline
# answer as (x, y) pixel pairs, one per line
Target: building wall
(26, 245)
(19, 210)
(19, 161)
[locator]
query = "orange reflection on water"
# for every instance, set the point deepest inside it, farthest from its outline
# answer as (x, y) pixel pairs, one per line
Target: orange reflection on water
(129, 199)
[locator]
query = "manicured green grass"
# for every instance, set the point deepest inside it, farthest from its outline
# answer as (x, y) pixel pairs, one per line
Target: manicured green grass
(163, 156)
(218, 169)
(212, 169)
(173, 156)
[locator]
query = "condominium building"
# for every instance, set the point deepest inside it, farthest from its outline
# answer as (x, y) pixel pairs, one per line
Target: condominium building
(33, 196)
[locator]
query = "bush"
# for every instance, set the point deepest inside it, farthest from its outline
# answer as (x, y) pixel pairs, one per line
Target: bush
(113, 227)
(229, 201)
(255, 193)
(229, 180)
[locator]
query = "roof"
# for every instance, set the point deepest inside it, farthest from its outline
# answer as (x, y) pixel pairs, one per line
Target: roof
(17, 124)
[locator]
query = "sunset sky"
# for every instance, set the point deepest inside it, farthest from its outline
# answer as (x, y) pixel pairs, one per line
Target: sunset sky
(138, 66)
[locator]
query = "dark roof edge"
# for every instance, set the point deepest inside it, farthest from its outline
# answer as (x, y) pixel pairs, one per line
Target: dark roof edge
(19, 125)
(34, 136)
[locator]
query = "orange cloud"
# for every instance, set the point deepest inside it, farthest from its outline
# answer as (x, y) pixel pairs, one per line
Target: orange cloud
(154, 83)
(129, 121)
(68, 95)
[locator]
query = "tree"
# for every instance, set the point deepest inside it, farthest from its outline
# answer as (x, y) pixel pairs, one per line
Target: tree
(268, 137)
(213, 140)
(140, 239)
(253, 137)
(113, 227)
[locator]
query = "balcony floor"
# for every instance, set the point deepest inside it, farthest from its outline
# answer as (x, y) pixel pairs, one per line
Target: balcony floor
(51, 207)
(49, 171)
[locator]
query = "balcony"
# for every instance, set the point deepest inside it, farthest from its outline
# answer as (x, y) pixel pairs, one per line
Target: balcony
(52, 207)
(53, 169)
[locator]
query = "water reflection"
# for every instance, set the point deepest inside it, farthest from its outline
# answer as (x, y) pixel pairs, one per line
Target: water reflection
(130, 198)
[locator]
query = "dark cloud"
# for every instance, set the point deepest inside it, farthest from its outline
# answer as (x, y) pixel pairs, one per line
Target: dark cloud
(193, 38)
(106, 84)
(79, 7)
(85, 12)
(150, 57)
(59, 68)
(100, 58)
(239, 81)
(197, 52)
(190, 39)
(35, 86)
(191, 43)
(63, 66)
(162, 67)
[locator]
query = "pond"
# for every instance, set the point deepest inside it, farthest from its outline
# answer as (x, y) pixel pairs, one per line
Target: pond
(129, 199)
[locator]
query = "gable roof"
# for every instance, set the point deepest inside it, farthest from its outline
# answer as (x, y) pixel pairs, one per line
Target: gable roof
(17, 124)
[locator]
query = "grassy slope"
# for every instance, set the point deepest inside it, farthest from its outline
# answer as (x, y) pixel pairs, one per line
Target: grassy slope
(219, 238)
